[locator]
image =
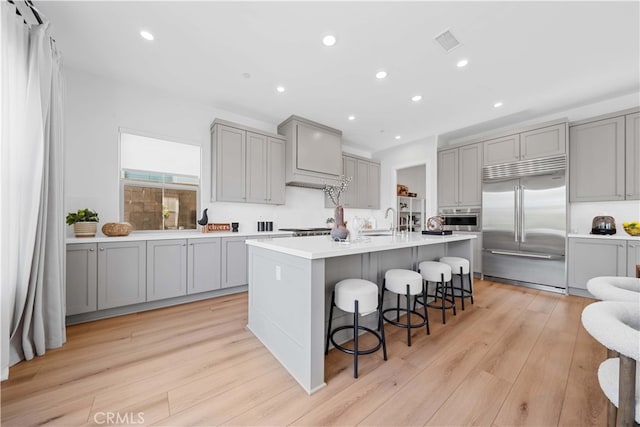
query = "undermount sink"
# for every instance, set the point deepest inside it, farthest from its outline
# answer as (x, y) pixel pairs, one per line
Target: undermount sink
(373, 233)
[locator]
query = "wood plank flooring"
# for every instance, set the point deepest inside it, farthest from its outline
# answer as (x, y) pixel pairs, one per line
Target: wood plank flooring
(516, 357)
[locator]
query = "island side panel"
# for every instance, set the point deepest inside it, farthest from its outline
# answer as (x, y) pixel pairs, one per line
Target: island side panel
(286, 312)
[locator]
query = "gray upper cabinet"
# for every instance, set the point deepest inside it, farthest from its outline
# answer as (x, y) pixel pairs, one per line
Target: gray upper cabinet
(203, 269)
(166, 268)
(633, 156)
(313, 152)
(460, 176)
(542, 142)
(230, 154)
(502, 150)
(372, 192)
(234, 262)
(248, 164)
(121, 274)
(82, 278)
(364, 190)
(597, 160)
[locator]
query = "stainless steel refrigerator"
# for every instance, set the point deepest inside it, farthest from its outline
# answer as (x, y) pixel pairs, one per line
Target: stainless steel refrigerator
(524, 221)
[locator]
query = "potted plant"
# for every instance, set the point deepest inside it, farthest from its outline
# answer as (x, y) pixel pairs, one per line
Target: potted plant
(85, 222)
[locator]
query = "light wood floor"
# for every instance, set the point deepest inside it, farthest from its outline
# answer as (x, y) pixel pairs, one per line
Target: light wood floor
(518, 356)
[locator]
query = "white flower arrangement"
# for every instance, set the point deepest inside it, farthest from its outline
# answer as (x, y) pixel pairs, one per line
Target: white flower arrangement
(334, 191)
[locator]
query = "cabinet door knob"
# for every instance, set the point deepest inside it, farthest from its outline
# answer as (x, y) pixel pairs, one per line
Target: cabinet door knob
(92, 250)
(102, 249)
(184, 244)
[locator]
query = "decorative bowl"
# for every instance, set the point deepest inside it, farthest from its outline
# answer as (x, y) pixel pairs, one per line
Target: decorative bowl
(632, 228)
(114, 229)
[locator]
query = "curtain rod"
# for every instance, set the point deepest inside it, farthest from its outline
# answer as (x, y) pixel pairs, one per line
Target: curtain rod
(31, 7)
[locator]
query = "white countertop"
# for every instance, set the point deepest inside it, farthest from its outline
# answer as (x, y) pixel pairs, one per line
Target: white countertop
(318, 247)
(167, 235)
(618, 236)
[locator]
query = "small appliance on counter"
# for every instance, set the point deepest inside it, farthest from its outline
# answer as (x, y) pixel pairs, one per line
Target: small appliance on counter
(604, 225)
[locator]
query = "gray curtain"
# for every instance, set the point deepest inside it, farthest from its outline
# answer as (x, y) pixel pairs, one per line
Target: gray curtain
(36, 292)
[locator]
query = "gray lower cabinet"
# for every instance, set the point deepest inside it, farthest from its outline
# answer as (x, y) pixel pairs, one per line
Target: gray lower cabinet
(234, 262)
(589, 258)
(121, 274)
(203, 269)
(460, 176)
(633, 257)
(166, 268)
(537, 143)
(82, 278)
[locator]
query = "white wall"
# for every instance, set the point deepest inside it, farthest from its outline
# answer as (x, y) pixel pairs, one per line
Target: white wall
(96, 107)
(418, 153)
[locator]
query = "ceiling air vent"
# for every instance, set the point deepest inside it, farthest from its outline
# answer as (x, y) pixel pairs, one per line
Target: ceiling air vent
(447, 40)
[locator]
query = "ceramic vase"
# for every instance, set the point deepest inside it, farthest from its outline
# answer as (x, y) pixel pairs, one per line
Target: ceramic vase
(339, 230)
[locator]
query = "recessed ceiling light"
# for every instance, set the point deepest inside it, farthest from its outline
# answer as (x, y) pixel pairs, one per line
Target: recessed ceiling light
(146, 35)
(497, 104)
(280, 89)
(398, 137)
(352, 117)
(329, 40)
(381, 75)
(416, 98)
(462, 63)
(246, 75)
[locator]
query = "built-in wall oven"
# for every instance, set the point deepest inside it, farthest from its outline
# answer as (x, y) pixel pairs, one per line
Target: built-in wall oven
(461, 219)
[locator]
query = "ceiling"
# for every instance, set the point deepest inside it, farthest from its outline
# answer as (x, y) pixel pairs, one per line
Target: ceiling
(535, 57)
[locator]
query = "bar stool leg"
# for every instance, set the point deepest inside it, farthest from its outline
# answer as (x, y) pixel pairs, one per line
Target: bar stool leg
(355, 340)
(333, 301)
(453, 295)
(408, 317)
(461, 288)
(443, 294)
(470, 286)
(381, 327)
(424, 306)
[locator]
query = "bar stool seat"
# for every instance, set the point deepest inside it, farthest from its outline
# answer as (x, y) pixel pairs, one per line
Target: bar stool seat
(460, 267)
(440, 273)
(616, 325)
(613, 288)
(408, 283)
(360, 297)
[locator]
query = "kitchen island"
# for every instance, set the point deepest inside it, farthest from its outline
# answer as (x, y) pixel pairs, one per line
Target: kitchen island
(291, 280)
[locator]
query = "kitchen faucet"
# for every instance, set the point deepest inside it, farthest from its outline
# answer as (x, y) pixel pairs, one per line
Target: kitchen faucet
(393, 217)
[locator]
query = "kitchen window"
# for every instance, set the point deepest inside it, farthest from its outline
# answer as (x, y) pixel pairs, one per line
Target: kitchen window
(159, 182)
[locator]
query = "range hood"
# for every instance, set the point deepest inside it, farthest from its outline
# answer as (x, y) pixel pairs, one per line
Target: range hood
(313, 153)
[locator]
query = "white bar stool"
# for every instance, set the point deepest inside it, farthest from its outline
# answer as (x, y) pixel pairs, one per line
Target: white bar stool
(460, 267)
(616, 325)
(440, 273)
(613, 288)
(409, 283)
(360, 297)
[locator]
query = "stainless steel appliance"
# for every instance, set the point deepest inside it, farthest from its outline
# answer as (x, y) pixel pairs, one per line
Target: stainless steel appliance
(524, 221)
(603, 225)
(461, 219)
(301, 232)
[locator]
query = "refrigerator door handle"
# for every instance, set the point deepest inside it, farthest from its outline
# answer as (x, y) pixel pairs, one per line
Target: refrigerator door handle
(523, 232)
(516, 213)
(524, 255)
